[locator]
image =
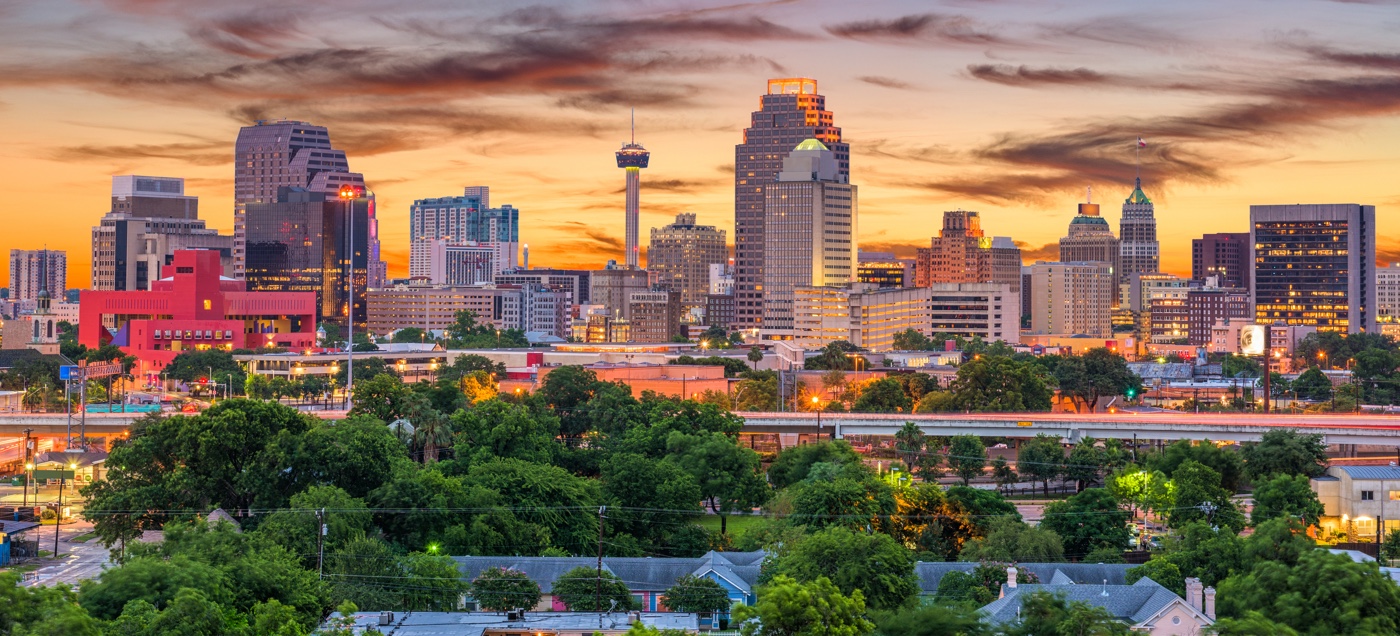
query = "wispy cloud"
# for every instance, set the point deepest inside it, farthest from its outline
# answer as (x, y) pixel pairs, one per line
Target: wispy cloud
(921, 28)
(885, 82)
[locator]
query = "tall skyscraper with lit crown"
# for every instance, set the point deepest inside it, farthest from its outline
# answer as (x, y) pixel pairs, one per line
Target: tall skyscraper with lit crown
(789, 113)
(632, 158)
(1139, 252)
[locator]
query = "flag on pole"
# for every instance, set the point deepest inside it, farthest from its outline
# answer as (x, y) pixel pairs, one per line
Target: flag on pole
(1141, 143)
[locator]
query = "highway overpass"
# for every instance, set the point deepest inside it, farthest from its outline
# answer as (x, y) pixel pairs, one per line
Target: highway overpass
(1381, 430)
(1336, 429)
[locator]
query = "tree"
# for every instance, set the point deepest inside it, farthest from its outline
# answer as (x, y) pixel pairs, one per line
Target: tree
(1098, 373)
(382, 396)
(432, 431)
(1323, 594)
(733, 367)
(910, 444)
(834, 356)
(1313, 385)
(579, 590)
(967, 456)
(1003, 473)
(911, 340)
(500, 429)
(670, 499)
(758, 391)
(1240, 367)
(1041, 458)
(786, 607)
(999, 384)
(409, 335)
(1162, 571)
(1251, 624)
(432, 582)
(1199, 496)
(885, 395)
(1287, 452)
(1227, 462)
(465, 333)
(729, 475)
(193, 613)
(794, 462)
(755, 355)
(478, 386)
(190, 366)
(697, 594)
(464, 365)
(1287, 497)
(1087, 521)
(1011, 540)
(980, 585)
(1085, 464)
(566, 389)
(874, 564)
(953, 619)
(547, 496)
(1044, 613)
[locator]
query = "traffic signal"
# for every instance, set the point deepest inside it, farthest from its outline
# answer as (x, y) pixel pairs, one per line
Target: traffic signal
(1131, 393)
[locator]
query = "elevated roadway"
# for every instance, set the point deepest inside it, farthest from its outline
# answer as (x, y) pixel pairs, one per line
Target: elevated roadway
(1236, 427)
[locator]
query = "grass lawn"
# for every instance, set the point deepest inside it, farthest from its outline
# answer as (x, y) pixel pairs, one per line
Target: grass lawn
(86, 537)
(737, 523)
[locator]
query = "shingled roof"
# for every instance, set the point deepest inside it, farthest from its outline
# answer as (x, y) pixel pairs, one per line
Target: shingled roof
(639, 573)
(1132, 604)
(931, 573)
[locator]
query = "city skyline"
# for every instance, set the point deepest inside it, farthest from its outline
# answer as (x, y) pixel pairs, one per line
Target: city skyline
(1006, 109)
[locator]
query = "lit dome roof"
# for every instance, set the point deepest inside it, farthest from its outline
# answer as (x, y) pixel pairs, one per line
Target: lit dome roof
(811, 144)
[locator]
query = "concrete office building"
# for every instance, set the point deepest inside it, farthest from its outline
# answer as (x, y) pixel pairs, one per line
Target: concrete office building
(1225, 256)
(462, 220)
(1090, 240)
(1138, 250)
(719, 311)
(681, 255)
(1314, 265)
(434, 308)
(34, 271)
(810, 229)
(270, 155)
(963, 253)
(721, 278)
(460, 264)
(655, 315)
(1072, 298)
(150, 220)
(789, 113)
(302, 242)
(613, 286)
(986, 310)
(574, 281)
(870, 317)
(1388, 299)
(1207, 306)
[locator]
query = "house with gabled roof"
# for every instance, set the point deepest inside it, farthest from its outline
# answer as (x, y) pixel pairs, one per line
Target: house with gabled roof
(647, 577)
(1145, 606)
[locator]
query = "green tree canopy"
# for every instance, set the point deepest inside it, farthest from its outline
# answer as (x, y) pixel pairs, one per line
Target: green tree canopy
(873, 564)
(1286, 452)
(793, 463)
(1011, 540)
(999, 384)
(1313, 385)
(1225, 461)
(1286, 497)
(786, 607)
(885, 395)
(697, 594)
(1087, 521)
(967, 457)
(580, 590)
(1041, 458)
(1323, 594)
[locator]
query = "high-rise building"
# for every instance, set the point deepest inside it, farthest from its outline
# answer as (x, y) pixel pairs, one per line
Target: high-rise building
(632, 157)
(152, 197)
(655, 315)
(150, 220)
(681, 255)
(34, 271)
(1138, 250)
(809, 233)
(270, 155)
(1159, 303)
(1388, 296)
(459, 264)
(870, 317)
(1207, 306)
(791, 112)
(302, 242)
(1091, 240)
(1314, 265)
(574, 281)
(963, 253)
(459, 221)
(613, 286)
(1072, 298)
(1225, 256)
(719, 310)
(885, 274)
(434, 307)
(721, 278)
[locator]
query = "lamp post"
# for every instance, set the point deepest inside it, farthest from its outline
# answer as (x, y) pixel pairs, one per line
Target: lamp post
(28, 473)
(347, 194)
(58, 509)
(816, 404)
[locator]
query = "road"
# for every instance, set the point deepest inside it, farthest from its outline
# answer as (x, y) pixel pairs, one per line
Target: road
(78, 561)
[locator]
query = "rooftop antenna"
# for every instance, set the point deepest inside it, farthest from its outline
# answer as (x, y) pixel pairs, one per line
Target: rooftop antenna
(634, 125)
(1089, 194)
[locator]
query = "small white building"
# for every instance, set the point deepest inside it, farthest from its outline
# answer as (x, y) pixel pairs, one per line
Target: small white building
(1360, 502)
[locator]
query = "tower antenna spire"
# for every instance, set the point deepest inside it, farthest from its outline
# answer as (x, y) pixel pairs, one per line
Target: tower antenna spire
(634, 125)
(1089, 194)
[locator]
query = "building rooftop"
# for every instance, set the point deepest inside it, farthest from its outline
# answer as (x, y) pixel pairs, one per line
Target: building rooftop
(1370, 472)
(740, 569)
(1132, 604)
(930, 573)
(475, 623)
(1137, 197)
(811, 144)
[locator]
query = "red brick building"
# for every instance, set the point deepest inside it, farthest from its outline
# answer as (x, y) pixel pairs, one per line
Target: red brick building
(194, 308)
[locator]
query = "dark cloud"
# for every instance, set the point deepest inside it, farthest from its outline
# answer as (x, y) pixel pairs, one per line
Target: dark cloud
(1046, 252)
(900, 249)
(894, 150)
(1025, 75)
(921, 28)
(257, 34)
(204, 153)
(588, 238)
(885, 82)
(1377, 61)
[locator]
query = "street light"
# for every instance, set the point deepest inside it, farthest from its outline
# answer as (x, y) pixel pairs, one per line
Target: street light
(28, 473)
(347, 194)
(815, 404)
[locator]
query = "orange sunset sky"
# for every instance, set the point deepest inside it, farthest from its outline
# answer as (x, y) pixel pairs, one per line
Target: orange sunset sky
(1011, 108)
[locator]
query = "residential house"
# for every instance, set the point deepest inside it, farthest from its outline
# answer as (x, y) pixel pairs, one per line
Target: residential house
(1145, 606)
(513, 624)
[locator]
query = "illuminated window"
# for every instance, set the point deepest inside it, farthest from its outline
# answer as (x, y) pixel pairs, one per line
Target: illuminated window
(208, 304)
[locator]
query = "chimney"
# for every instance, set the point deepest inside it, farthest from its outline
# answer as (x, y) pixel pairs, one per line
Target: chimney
(1011, 577)
(1209, 610)
(1193, 593)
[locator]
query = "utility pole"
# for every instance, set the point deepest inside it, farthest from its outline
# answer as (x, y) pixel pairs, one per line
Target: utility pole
(28, 471)
(1268, 353)
(598, 589)
(320, 542)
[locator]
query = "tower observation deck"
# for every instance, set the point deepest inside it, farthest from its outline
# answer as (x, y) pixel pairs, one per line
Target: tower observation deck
(632, 158)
